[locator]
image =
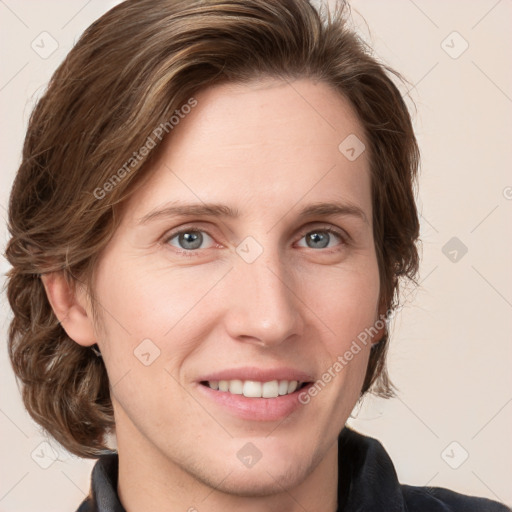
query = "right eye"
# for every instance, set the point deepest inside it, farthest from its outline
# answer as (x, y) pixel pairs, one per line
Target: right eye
(188, 240)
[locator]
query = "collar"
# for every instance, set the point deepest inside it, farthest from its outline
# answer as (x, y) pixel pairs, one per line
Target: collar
(367, 481)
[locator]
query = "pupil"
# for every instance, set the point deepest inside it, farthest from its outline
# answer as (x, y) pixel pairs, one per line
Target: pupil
(192, 240)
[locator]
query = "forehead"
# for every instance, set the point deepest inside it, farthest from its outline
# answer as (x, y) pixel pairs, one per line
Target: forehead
(266, 144)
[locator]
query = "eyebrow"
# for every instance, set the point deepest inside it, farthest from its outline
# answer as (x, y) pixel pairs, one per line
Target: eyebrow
(224, 211)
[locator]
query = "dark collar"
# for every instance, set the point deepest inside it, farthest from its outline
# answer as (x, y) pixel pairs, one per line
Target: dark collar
(367, 479)
(367, 482)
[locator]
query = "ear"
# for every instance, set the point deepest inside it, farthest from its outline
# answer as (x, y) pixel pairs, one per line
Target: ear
(69, 303)
(380, 324)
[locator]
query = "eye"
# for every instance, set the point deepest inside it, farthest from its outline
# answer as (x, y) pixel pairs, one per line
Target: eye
(189, 239)
(322, 238)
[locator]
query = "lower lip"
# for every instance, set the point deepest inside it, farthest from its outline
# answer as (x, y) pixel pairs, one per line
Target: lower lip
(255, 409)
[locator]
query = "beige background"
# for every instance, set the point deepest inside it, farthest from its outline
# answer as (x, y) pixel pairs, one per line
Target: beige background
(451, 349)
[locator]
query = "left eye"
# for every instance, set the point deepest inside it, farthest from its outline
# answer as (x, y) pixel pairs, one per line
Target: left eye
(189, 240)
(321, 238)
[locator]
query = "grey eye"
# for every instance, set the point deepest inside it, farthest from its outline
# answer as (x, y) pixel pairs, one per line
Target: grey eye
(189, 240)
(317, 239)
(192, 240)
(320, 239)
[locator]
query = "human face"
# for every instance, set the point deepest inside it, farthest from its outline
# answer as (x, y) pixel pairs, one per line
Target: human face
(265, 295)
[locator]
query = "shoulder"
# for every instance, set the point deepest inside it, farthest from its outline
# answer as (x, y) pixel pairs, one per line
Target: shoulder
(86, 506)
(436, 499)
(368, 481)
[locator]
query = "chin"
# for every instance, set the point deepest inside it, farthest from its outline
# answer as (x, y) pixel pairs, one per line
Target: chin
(277, 469)
(262, 479)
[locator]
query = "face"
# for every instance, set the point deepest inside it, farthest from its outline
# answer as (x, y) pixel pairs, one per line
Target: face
(255, 297)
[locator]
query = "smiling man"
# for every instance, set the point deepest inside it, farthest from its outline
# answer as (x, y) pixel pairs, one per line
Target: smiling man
(198, 304)
(233, 329)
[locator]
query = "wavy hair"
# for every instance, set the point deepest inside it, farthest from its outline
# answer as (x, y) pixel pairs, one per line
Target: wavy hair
(129, 73)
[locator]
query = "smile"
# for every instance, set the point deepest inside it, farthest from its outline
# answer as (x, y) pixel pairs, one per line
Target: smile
(255, 389)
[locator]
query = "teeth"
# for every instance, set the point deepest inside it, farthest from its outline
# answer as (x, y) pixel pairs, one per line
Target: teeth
(252, 389)
(236, 387)
(283, 387)
(255, 389)
(270, 389)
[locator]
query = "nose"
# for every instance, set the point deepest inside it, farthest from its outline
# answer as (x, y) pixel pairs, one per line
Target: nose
(263, 307)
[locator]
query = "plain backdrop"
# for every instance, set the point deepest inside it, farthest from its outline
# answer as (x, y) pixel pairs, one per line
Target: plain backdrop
(450, 354)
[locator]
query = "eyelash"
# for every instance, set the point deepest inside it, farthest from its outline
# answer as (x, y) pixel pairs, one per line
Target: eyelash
(194, 253)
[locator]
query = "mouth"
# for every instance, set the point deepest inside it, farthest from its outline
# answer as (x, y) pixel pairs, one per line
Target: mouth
(257, 394)
(256, 389)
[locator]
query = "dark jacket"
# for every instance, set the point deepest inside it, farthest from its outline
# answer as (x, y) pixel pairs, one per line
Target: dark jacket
(367, 483)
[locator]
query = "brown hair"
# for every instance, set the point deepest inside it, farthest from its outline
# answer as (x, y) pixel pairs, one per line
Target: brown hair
(127, 75)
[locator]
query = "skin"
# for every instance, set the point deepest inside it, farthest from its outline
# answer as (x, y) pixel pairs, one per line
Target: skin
(268, 148)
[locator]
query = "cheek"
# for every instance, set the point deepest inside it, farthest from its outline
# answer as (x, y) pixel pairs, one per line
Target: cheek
(140, 302)
(347, 306)
(163, 314)
(180, 304)
(152, 325)
(345, 298)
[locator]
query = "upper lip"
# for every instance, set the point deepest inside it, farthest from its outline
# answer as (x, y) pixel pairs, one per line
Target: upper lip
(259, 374)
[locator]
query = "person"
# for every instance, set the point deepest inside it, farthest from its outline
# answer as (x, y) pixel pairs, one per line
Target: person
(209, 229)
